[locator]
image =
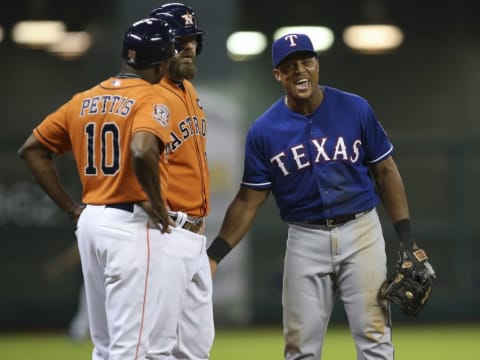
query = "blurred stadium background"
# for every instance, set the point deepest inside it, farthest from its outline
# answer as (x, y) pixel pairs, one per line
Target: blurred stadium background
(425, 93)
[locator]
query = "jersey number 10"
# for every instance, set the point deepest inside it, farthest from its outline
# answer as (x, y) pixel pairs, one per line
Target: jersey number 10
(110, 149)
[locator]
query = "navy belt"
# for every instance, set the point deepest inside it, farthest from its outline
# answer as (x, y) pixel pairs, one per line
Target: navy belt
(122, 206)
(338, 220)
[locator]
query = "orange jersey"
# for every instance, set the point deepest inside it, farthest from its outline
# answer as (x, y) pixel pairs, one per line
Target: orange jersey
(189, 189)
(97, 126)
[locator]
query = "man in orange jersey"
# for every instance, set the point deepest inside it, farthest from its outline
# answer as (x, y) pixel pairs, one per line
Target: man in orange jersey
(188, 187)
(118, 132)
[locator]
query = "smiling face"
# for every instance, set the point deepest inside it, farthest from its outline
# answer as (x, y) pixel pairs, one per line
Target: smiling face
(298, 73)
(182, 65)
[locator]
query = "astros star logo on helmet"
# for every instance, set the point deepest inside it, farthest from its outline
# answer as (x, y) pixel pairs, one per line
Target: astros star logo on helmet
(188, 19)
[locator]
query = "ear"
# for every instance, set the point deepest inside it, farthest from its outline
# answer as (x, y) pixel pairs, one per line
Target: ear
(276, 74)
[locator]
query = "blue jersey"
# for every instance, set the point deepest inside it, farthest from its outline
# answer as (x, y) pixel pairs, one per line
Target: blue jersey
(317, 166)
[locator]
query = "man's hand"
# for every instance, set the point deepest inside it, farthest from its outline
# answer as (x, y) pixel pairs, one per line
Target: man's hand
(158, 216)
(75, 212)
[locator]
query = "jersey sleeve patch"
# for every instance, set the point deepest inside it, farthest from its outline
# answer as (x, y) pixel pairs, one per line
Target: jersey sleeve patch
(161, 113)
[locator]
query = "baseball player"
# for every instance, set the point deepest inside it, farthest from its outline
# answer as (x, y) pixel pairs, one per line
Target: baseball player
(188, 158)
(328, 162)
(135, 265)
(188, 190)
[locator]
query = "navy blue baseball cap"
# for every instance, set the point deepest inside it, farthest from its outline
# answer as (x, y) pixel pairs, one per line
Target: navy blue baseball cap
(289, 44)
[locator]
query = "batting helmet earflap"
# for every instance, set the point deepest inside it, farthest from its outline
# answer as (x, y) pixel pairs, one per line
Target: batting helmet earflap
(148, 42)
(182, 19)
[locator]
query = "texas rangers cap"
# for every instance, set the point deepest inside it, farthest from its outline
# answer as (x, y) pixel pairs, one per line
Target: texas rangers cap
(289, 44)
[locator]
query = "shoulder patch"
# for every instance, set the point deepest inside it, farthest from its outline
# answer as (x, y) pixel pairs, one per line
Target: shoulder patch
(199, 104)
(161, 114)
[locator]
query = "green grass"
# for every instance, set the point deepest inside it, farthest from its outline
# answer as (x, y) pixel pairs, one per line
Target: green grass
(425, 342)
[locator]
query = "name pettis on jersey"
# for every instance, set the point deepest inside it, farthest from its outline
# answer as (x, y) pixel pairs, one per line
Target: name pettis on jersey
(107, 104)
(187, 128)
(301, 159)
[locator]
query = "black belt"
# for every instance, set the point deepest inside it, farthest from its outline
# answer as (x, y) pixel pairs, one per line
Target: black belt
(122, 206)
(338, 220)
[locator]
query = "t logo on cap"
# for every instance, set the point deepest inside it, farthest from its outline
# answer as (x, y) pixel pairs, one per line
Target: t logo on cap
(290, 44)
(292, 39)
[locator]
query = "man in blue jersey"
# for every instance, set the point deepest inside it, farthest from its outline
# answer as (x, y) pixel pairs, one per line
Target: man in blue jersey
(328, 162)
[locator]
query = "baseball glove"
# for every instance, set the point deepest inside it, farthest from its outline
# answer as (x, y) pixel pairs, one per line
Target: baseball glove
(412, 282)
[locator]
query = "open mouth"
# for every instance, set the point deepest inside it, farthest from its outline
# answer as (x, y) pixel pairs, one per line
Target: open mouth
(302, 84)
